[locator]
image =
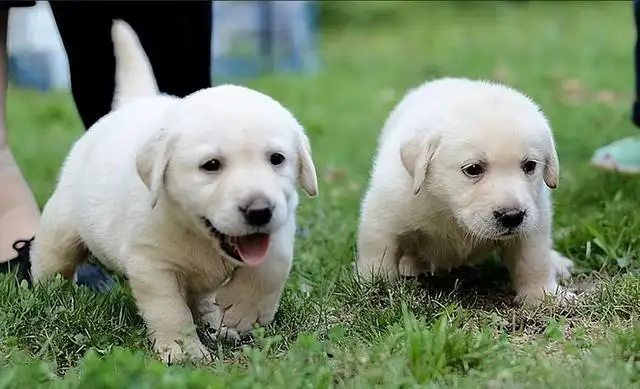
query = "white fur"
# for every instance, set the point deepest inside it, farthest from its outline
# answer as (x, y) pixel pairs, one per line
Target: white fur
(133, 193)
(421, 213)
(134, 77)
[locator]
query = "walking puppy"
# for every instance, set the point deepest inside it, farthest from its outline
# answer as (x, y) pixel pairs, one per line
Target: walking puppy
(463, 168)
(193, 199)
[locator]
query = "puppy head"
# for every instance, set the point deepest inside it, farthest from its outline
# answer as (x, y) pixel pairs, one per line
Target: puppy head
(485, 154)
(228, 162)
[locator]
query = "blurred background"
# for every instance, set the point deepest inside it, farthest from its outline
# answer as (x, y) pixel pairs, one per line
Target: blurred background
(249, 38)
(341, 66)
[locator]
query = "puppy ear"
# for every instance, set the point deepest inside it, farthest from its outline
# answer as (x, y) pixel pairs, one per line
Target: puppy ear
(152, 162)
(307, 174)
(416, 153)
(551, 173)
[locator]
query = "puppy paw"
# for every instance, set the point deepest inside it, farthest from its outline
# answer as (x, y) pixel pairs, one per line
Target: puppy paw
(240, 310)
(211, 314)
(409, 266)
(533, 296)
(367, 271)
(214, 319)
(176, 352)
(563, 266)
(565, 296)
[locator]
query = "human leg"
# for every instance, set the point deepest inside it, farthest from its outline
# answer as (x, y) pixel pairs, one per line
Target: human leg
(85, 29)
(19, 212)
(176, 36)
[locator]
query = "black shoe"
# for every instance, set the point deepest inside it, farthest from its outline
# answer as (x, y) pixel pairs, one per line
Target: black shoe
(87, 274)
(20, 263)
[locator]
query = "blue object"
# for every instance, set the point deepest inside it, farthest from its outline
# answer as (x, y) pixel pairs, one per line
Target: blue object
(257, 37)
(94, 278)
(30, 70)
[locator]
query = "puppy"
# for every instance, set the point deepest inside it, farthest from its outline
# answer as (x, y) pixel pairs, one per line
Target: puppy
(463, 168)
(193, 199)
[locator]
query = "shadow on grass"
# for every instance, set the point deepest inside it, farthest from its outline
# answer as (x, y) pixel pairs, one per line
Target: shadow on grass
(486, 286)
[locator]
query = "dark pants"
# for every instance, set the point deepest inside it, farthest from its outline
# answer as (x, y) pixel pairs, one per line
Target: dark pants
(176, 36)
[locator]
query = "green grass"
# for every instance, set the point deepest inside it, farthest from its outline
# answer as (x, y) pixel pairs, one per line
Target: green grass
(458, 331)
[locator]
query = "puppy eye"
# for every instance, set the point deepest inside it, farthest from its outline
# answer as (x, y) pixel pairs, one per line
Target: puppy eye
(473, 170)
(212, 165)
(529, 167)
(276, 159)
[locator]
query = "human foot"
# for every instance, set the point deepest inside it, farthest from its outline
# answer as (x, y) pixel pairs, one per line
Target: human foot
(619, 156)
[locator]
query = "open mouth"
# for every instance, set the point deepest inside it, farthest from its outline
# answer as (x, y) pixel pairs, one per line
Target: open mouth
(250, 249)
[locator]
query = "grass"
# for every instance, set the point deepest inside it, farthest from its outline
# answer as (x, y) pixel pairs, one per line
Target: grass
(454, 331)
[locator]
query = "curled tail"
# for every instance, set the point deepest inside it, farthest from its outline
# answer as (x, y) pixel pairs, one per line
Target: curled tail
(134, 76)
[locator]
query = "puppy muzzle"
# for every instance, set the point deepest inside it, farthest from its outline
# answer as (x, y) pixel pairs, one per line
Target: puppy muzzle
(249, 249)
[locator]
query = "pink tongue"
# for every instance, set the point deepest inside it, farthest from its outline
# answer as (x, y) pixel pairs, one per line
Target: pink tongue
(253, 248)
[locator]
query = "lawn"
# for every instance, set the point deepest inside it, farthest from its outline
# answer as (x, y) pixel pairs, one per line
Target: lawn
(454, 331)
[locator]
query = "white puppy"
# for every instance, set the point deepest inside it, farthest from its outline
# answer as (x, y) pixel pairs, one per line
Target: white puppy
(460, 171)
(193, 199)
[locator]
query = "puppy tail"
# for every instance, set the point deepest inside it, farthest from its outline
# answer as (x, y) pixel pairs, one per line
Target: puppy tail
(134, 76)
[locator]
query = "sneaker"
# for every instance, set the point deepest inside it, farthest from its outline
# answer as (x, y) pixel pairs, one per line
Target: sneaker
(93, 277)
(20, 263)
(87, 274)
(620, 156)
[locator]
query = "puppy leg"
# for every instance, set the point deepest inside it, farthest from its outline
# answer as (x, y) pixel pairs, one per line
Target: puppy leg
(534, 269)
(563, 265)
(252, 296)
(377, 252)
(162, 304)
(57, 247)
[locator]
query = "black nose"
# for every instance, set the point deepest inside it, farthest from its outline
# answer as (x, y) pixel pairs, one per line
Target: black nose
(510, 218)
(257, 213)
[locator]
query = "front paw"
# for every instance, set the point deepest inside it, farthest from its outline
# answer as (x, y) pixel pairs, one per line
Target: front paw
(387, 271)
(179, 351)
(563, 266)
(212, 315)
(534, 295)
(241, 310)
(409, 266)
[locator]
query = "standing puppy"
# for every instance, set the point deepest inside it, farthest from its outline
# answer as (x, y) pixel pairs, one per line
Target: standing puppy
(463, 168)
(193, 199)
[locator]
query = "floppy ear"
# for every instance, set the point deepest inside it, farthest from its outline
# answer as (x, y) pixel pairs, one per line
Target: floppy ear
(416, 153)
(307, 174)
(551, 173)
(152, 162)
